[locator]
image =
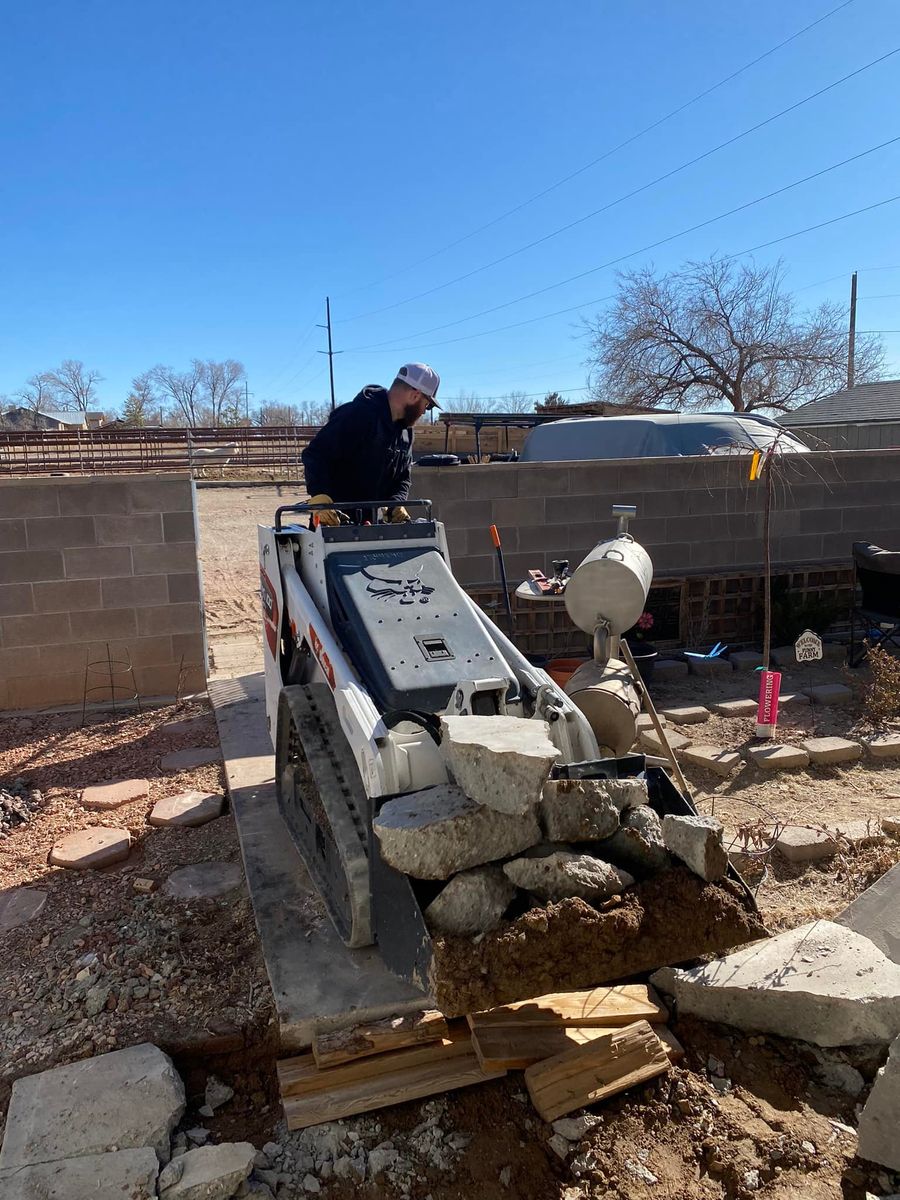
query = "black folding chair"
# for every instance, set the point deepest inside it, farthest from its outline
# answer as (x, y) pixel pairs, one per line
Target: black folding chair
(877, 614)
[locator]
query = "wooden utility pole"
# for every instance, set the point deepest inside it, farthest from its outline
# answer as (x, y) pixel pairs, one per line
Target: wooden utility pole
(330, 352)
(851, 347)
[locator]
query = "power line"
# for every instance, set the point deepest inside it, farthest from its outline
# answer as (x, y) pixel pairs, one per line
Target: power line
(627, 195)
(607, 153)
(652, 246)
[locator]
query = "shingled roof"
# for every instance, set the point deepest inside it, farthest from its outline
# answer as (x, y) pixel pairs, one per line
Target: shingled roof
(865, 402)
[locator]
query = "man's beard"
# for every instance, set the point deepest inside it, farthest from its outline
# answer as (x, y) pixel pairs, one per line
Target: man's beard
(411, 414)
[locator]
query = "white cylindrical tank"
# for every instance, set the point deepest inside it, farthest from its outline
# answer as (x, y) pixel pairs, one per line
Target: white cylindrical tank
(610, 586)
(606, 694)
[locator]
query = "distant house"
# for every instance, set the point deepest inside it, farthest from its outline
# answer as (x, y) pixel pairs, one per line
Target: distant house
(865, 417)
(21, 420)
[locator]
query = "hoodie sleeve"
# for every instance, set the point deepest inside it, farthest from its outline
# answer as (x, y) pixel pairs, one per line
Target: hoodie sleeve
(342, 437)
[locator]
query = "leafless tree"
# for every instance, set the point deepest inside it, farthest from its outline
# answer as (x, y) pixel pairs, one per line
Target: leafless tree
(143, 401)
(515, 402)
(38, 395)
(468, 402)
(182, 389)
(273, 413)
(75, 385)
(719, 332)
(221, 385)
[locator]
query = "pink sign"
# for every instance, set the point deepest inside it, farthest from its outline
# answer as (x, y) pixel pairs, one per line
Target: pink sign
(767, 713)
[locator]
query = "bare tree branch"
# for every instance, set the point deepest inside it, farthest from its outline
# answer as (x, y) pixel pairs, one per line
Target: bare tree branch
(75, 385)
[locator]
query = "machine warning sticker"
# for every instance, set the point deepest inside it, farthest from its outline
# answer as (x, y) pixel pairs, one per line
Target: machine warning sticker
(322, 657)
(270, 611)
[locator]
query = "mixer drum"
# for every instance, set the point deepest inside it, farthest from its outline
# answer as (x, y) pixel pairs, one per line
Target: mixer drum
(606, 695)
(611, 585)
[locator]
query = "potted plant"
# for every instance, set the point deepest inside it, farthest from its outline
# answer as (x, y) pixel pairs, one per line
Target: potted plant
(643, 652)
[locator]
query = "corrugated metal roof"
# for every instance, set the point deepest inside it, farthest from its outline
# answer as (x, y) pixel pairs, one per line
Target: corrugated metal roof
(865, 402)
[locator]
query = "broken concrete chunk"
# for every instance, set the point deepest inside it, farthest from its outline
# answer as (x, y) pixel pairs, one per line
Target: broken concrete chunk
(501, 762)
(117, 1101)
(697, 841)
(820, 983)
(472, 902)
(799, 844)
(212, 1172)
(121, 1175)
(587, 810)
(878, 1124)
(638, 843)
(876, 914)
(575, 1129)
(439, 831)
(562, 874)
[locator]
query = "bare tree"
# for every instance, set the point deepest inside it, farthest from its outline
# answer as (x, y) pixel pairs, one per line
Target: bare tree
(75, 385)
(274, 413)
(38, 395)
(515, 402)
(718, 331)
(221, 384)
(142, 402)
(182, 389)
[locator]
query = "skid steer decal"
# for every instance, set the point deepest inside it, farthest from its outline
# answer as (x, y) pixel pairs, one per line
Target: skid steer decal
(321, 656)
(406, 591)
(270, 611)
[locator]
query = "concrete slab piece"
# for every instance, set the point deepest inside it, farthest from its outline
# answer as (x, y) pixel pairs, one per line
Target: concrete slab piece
(775, 757)
(560, 875)
(876, 914)
(827, 750)
(501, 762)
(829, 693)
(118, 1101)
(104, 796)
(212, 1172)
(18, 905)
(820, 983)
(735, 708)
(878, 1123)
(687, 714)
(712, 758)
(669, 668)
(472, 902)
(91, 848)
(651, 741)
(883, 745)
(439, 831)
(188, 760)
(859, 833)
(637, 845)
(316, 981)
(188, 809)
(587, 810)
(745, 660)
(697, 842)
(799, 844)
(120, 1175)
(203, 881)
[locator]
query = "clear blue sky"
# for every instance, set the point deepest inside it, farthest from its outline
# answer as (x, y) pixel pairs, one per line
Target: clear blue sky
(190, 179)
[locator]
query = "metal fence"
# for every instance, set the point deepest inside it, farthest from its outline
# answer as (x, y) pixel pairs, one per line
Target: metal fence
(204, 452)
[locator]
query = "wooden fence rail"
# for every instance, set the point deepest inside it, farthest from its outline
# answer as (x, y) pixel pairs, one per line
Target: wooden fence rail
(108, 452)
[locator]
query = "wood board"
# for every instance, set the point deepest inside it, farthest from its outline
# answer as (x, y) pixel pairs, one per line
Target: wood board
(609, 1007)
(378, 1037)
(516, 1047)
(596, 1070)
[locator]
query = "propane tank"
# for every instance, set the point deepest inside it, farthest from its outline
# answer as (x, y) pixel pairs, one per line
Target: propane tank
(610, 587)
(606, 694)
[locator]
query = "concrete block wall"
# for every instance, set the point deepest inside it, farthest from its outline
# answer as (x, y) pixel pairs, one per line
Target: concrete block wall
(695, 515)
(86, 562)
(863, 435)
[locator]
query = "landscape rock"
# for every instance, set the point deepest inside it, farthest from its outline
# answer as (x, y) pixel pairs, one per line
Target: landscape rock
(187, 808)
(561, 874)
(638, 843)
(697, 841)
(18, 905)
(559, 1146)
(689, 714)
(472, 902)
(826, 750)
(880, 1119)
(587, 810)
(204, 880)
(820, 983)
(188, 760)
(217, 1093)
(104, 796)
(91, 848)
(380, 1158)
(775, 757)
(120, 1175)
(830, 693)
(883, 745)
(799, 844)
(745, 660)
(501, 762)
(171, 1173)
(875, 914)
(575, 1129)
(735, 708)
(118, 1101)
(841, 1076)
(439, 831)
(860, 833)
(212, 1172)
(652, 742)
(712, 758)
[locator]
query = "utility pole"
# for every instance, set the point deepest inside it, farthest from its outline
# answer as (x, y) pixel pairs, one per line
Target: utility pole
(331, 353)
(851, 348)
(247, 395)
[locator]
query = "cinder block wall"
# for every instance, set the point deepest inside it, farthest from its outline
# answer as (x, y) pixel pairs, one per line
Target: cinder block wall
(866, 435)
(90, 562)
(695, 515)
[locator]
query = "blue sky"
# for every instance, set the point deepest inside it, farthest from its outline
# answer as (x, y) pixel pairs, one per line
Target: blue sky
(190, 180)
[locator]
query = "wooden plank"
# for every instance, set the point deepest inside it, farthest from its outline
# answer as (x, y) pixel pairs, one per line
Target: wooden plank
(592, 1072)
(384, 1088)
(379, 1037)
(516, 1047)
(300, 1076)
(612, 1007)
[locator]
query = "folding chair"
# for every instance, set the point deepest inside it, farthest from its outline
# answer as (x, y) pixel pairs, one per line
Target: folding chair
(877, 614)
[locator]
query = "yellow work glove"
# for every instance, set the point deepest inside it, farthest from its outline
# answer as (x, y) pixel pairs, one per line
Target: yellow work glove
(325, 516)
(398, 514)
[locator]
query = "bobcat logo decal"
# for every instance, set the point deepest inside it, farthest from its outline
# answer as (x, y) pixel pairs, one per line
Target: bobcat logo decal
(404, 591)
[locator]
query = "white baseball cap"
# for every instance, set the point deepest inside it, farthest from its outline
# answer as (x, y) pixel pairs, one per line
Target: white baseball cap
(421, 377)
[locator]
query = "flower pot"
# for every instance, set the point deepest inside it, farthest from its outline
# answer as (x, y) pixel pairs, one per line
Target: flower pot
(561, 670)
(644, 656)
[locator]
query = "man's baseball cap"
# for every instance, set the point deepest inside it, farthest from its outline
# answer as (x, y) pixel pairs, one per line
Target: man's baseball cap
(421, 377)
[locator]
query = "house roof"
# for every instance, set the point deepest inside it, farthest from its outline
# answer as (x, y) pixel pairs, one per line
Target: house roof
(865, 402)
